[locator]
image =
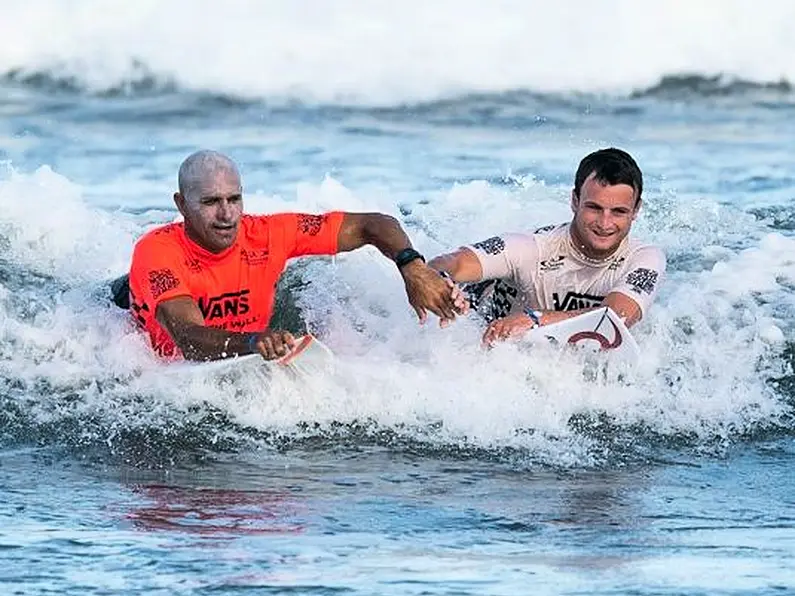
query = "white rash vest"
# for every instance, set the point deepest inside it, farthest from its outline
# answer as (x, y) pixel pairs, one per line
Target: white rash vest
(545, 271)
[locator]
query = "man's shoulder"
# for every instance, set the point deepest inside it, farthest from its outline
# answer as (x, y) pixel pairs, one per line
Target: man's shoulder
(256, 229)
(160, 249)
(518, 248)
(248, 219)
(646, 253)
(549, 237)
(256, 223)
(161, 236)
(314, 230)
(639, 246)
(550, 230)
(306, 222)
(512, 240)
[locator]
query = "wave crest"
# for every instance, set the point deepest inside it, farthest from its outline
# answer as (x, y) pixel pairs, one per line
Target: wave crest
(140, 80)
(143, 81)
(677, 86)
(378, 53)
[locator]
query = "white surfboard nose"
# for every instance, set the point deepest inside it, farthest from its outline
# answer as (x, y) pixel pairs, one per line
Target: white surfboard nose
(597, 330)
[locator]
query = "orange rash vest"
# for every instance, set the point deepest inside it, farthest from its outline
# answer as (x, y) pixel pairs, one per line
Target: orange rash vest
(234, 289)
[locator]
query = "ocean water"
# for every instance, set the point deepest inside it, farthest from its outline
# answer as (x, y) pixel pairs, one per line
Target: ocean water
(422, 464)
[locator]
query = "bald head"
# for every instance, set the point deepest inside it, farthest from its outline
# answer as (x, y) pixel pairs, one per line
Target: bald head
(210, 199)
(201, 170)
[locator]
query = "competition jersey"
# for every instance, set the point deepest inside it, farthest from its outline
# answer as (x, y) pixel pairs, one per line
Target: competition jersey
(234, 289)
(545, 271)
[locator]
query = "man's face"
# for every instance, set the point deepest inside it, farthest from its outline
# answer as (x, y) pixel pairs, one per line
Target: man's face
(212, 211)
(603, 216)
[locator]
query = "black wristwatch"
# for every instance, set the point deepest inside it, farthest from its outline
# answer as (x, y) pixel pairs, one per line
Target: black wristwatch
(406, 256)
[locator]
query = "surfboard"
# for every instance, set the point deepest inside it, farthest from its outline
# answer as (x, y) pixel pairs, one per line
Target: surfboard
(600, 330)
(308, 358)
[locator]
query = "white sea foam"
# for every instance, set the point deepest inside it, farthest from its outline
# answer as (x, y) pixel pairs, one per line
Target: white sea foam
(709, 345)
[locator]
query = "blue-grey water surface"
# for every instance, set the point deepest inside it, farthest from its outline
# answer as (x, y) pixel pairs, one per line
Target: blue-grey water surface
(422, 464)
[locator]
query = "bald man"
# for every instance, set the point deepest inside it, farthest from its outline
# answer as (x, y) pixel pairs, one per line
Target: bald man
(203, 289)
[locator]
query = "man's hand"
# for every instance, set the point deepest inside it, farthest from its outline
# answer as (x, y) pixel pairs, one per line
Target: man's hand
(427, 290)
(460, 301)
(514, 325)
(274, 344)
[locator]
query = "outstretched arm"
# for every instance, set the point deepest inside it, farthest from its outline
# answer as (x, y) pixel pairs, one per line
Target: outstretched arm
(425, 288)
(462, 265)
(518, 324)
(629, 298)
(378, 229)
(183, 320)
(624, 306)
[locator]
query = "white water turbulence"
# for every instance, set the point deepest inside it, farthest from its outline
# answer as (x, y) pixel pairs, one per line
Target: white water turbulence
(384, 52)
(710, 347)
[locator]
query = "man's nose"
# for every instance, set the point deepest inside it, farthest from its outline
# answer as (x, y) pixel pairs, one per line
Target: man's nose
(224, 209)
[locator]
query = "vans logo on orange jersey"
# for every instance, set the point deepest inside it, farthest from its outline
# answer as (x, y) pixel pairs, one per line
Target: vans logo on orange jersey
(194, 265)
(229, 304)
(254, 257)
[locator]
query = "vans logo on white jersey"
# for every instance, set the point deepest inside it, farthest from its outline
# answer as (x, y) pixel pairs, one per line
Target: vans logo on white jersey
(576, 301)
(552, 264)
(616, 264)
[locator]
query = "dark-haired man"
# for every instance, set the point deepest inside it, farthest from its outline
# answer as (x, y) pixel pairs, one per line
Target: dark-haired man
(520, 281)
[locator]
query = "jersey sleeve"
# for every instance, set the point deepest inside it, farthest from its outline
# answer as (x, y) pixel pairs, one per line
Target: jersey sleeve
(308, 234)
(502, 257)
(645, 272)
(157, 273)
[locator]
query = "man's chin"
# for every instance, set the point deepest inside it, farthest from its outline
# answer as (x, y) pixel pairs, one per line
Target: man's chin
(221, 246)
(222, 242)
(227, 235)
(603, 246)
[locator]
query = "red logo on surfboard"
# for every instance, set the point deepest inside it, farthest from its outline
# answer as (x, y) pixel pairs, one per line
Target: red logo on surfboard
(604, 343)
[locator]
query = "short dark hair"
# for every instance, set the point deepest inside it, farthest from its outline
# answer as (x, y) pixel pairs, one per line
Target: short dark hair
(612, 166)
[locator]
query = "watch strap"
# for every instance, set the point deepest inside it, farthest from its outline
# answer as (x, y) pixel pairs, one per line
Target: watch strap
(406, 256)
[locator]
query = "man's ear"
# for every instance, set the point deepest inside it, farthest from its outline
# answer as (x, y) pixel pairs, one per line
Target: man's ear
(575, 201)
(179, 201)
(637, 209)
